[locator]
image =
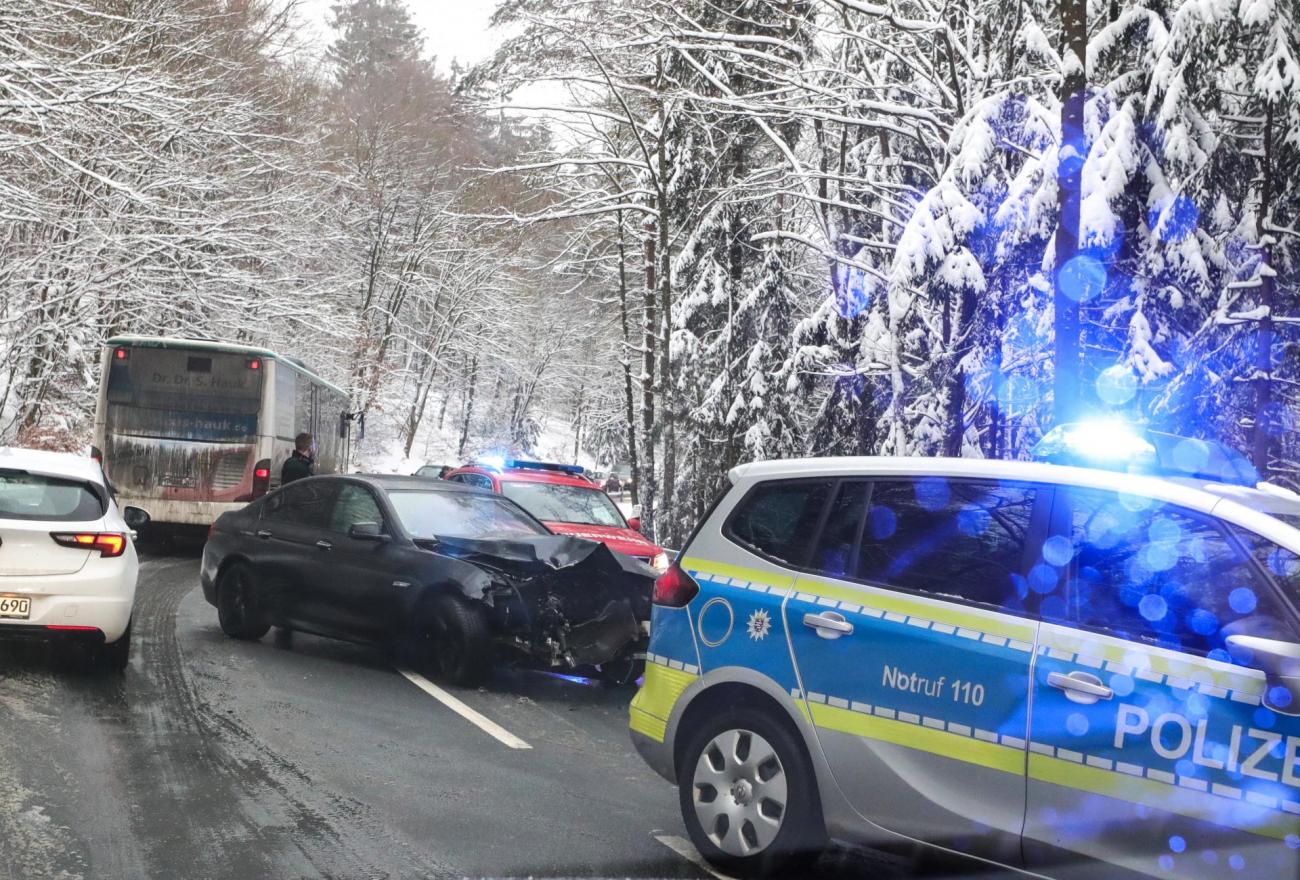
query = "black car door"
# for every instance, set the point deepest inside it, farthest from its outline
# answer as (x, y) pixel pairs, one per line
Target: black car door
(293, 553)
(361, 594)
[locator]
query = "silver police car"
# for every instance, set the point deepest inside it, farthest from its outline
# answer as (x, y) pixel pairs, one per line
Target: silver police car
(1060, 670)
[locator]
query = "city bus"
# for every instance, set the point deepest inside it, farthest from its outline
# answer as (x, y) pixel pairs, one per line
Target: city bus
(188, 429)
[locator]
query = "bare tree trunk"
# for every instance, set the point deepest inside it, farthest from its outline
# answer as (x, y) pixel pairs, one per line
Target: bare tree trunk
(665, 321)
(1072, 150)
(625, 326)
(1264, 346)
(467, 415)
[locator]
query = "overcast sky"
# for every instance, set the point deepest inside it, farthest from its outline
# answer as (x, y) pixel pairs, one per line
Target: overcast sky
(452, 28)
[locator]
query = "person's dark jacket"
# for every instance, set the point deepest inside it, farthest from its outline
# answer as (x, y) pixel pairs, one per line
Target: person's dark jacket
(296, 467)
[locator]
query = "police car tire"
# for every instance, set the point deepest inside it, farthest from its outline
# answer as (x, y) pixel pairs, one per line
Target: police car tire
(802, 835)
(236, 604)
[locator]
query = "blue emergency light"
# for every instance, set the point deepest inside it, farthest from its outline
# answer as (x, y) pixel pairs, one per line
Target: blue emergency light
(1116, 445)
(499, 463)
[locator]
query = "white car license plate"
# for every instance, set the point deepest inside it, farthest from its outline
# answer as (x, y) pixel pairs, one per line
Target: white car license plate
(15, 607)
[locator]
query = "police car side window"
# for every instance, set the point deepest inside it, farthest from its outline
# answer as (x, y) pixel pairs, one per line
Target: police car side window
(778, 519)
(949, 538)
(833, 555)
(1159, 574)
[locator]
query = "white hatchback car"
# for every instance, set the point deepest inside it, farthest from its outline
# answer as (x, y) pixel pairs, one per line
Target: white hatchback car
(68, 566)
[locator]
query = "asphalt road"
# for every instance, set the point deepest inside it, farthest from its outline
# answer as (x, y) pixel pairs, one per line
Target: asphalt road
(212, 758)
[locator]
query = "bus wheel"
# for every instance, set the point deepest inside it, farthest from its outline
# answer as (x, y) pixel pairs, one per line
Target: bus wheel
(237, 604)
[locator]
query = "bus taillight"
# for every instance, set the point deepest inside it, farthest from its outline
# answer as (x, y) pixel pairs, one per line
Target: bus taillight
(261, 477)
(121, 354)
(255, 363)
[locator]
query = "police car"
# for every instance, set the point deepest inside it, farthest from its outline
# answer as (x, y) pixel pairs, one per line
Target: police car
(1070, 671)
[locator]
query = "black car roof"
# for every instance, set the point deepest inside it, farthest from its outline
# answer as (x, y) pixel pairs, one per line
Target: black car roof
(408, 481)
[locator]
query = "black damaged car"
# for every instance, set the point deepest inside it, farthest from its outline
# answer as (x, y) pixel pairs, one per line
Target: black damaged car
(455, 578)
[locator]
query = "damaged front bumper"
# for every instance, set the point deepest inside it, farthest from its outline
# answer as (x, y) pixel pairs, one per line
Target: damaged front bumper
(565, 602)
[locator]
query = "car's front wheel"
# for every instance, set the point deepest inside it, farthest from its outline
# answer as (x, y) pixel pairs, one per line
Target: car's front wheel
(237, 608)
(457, 644)
(748, 796)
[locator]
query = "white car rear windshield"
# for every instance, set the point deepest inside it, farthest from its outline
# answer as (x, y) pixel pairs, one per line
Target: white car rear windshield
(550, 502)
(27, 496)
(460, 515)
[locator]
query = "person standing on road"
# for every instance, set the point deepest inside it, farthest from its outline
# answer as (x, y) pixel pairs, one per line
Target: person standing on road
(301, 463)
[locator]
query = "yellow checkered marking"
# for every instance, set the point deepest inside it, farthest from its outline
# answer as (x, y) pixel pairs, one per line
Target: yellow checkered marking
(925, 739)
(655, 700)
(881, 600)
(1158, 795)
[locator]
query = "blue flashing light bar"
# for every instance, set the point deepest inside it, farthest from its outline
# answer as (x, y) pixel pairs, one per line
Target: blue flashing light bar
(1113, 444)
(500, 463)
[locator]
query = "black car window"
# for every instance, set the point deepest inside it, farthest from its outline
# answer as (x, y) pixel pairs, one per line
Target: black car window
(833, 555)
(1160, 574)
(779, 519)
(452, 514)
(949, 538)
(355, 505)
(305, 503)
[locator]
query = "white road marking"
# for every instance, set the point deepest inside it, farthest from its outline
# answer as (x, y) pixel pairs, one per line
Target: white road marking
(482, 722)
(683, 848)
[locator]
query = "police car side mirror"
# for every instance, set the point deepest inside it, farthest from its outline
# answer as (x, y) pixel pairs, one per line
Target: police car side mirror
(634, 523)
(1280, 663)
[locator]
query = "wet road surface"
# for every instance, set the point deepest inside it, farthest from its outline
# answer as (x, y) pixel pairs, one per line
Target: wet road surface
(213, 758)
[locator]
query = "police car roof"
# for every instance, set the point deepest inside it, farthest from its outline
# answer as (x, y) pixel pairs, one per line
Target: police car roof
(1193, 493)
(51, 464)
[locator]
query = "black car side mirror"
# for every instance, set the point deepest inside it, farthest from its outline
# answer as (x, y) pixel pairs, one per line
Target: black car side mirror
(135, 517)
(368, 531)
(1280, 663)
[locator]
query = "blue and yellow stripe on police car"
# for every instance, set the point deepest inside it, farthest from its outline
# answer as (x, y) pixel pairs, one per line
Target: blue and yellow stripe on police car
(1095, 774)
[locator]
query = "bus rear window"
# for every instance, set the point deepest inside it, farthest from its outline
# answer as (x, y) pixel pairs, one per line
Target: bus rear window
(25, 496)
(176, 394)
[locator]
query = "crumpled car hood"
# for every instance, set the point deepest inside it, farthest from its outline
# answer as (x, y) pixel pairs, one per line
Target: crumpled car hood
(596, 596)
(542, 553)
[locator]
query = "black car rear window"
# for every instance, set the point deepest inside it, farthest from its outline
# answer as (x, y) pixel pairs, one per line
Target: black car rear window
(36, 497)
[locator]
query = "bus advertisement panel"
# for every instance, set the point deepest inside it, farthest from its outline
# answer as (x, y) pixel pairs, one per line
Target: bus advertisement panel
(191, 428)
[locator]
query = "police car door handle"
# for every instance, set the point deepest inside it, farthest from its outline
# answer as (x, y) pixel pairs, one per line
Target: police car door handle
(828, 624)
(263, 534)
(324, 545)
(1080, 687)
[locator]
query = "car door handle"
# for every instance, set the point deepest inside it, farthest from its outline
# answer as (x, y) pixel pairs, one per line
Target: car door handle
(263, 534)
(828, 624)
(324, 545)
(1080, 687)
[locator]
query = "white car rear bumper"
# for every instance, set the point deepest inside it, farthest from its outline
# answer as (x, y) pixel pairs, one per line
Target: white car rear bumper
(101, 595)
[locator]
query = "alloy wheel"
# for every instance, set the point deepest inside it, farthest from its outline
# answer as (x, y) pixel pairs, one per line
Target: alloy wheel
(739, 792)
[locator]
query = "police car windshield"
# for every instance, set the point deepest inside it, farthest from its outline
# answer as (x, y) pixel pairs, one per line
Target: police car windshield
(550, 502)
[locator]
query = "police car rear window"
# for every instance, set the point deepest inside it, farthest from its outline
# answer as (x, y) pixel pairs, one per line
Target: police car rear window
(779, 519)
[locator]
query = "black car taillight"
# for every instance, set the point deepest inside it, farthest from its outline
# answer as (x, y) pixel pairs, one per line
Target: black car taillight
(261, 478)
(675, 588)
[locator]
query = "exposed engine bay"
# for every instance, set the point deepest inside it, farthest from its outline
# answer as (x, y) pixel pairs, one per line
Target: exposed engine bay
(558, 601)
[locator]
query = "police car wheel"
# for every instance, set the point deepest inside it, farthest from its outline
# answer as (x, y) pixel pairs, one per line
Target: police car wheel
(748, 797)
